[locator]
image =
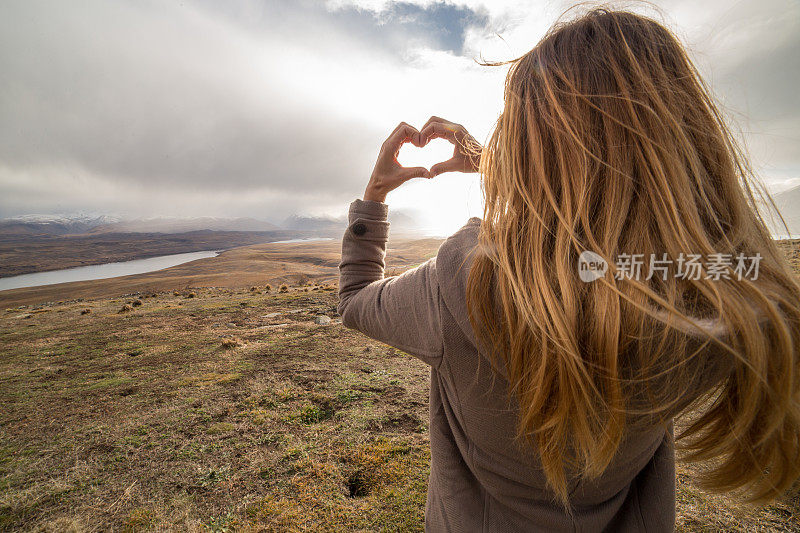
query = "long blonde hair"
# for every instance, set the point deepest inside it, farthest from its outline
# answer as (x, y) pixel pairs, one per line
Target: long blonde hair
(610, 142)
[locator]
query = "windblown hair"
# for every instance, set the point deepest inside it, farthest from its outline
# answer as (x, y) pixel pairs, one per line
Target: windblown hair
(609, 141)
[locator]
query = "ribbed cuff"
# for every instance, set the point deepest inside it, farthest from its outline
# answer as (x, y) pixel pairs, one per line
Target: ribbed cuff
(368, 209)
(368, 220)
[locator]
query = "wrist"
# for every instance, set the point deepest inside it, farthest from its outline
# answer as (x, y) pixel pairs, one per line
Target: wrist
(374, 194)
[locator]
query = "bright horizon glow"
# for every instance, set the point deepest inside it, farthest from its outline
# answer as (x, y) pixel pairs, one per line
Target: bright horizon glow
(443, 203)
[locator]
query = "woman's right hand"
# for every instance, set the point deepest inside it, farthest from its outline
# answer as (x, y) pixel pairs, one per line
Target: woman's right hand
(466, 151)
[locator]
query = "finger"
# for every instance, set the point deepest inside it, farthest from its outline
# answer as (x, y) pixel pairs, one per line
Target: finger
(408, 173)
(451, 165)
(429, 126)
(434, 119)
(401, 134)
(395, 132)
(406, 132)
(439, 130)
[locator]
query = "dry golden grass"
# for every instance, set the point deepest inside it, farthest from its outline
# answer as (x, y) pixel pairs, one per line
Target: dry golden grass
(230, 411)
(239, 267)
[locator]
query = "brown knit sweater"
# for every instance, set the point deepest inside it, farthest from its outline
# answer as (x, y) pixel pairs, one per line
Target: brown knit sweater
(481, 479)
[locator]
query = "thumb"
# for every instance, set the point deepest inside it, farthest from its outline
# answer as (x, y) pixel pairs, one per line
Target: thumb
(444, 166)
(414, 172)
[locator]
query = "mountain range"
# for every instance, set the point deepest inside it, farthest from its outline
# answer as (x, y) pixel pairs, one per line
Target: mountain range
(54, 224)
(182, 225)
(84, 224)
(403, 224)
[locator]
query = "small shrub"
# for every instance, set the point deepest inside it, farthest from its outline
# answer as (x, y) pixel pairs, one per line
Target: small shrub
(313, 414)
(284, 288)
(309, 414)
(253, 289)
(136, 303)
(268, 287)
(176, 293)
(125, 308)
(231, 343)
(220, 428)
(191, 295)
(86, 311)
(320, 408)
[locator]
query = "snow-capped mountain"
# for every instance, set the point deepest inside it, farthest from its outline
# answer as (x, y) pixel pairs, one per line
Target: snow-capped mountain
(54, 224)
(87, 224)
(80, 224)
(183, 224)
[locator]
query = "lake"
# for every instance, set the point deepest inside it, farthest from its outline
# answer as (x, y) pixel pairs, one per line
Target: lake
(308, 239)
(106, 270)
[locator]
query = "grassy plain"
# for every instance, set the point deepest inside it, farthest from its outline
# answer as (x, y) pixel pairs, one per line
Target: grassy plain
(229, 409)
(238, 267)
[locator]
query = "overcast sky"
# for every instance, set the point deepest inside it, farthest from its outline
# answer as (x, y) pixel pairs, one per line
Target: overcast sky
(270, 108)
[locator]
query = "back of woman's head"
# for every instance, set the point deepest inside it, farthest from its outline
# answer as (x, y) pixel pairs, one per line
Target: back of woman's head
(609, 142)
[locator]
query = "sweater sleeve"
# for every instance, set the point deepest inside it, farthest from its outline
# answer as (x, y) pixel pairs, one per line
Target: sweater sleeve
(401, 311)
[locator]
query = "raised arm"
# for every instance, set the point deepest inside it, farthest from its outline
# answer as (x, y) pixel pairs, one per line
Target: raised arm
(402, 311)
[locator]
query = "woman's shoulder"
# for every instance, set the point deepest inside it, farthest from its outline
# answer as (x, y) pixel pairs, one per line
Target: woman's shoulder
(454, 258)
(459, 245)
(464, 237)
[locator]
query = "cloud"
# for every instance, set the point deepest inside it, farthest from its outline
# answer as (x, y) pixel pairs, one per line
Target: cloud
(265, 109)
(176, 99)
(110, 103)
(747, 50)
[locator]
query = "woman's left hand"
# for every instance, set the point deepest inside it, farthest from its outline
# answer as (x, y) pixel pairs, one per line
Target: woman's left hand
(388, 173)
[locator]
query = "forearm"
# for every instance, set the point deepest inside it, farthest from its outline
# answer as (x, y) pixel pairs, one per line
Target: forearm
(402, 311)
(363, 249)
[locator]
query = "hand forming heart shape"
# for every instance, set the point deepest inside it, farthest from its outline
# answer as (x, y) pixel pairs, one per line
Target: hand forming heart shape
(389, 174)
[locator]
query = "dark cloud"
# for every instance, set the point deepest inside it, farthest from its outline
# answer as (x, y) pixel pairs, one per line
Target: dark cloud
(200, 96)
(438, 25)
(132, 96)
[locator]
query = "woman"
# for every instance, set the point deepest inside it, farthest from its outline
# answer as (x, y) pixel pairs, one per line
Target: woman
(553, 396)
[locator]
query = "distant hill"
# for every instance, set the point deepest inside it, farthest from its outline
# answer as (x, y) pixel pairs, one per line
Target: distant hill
(402, 224)
(31, 225)
(788, 203)
(322, 225)
(81, 224)
(182, 225)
